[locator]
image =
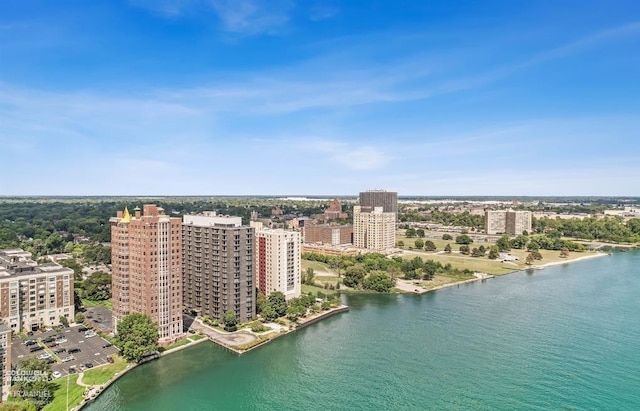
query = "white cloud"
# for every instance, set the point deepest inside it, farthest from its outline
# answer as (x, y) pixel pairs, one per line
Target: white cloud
(253, 16)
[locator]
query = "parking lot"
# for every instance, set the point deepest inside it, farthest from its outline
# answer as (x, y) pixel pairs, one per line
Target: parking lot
(93, 350)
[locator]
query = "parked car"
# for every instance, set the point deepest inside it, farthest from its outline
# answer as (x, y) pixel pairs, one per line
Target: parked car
(61, 341)
(49, 360)
(29, 342)
(56, 374)
(74, 350)
(48, 339)
(90, 334)
(88, 365)
(59, 350)
(35, 348)
(44, 356)
(107, 345)
(68, 358)
(82, 329)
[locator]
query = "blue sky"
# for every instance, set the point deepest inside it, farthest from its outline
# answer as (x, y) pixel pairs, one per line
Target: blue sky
(207, 97)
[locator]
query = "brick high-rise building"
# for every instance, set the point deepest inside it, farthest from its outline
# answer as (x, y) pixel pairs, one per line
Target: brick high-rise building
(374, 229)
(278, 256)
(371, 199)
(33, 295)
(218, 266)
(146, 258)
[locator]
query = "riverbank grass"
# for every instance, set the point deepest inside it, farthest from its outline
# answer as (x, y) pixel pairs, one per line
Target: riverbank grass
(101, 375)
(59, 402)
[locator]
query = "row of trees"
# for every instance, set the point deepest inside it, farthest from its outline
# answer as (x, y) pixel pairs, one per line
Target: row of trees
(608, 229)
(276, 305)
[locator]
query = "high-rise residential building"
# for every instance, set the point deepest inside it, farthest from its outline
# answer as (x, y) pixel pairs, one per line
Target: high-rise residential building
(334, 210)
(33, 295)
(333, 234)
(371, 199)
(5, 360)
(146, 259)
(278, 256)
(218, 266)
(374, 229)
(507, 222)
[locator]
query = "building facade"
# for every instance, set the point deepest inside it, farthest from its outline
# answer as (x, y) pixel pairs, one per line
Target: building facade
(371, 199)
(146, 259)
(374, 229)
(218, 266)
(5, 360)
(278, 256)
(33, 295)
(328, 233)
(507, 222)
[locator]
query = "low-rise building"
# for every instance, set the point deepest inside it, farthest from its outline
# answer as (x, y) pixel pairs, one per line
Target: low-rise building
(333, 234)
(33, 295)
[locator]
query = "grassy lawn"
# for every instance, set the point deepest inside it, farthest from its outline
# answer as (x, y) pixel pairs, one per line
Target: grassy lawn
(306, 288)
(101, 375)
(89, 303)
(59, 402)
(196, 337)
(316, 265)
(440, 280)
(176, 344)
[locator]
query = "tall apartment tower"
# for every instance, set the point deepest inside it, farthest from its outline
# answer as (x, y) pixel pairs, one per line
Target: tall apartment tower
(374, 229)
(278, 255)
(218, 266)
(5, 361)
(371, 199)
(33, 295)
(146, 258)
(507, 222)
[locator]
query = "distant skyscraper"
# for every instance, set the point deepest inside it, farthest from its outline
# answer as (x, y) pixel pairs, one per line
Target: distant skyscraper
(218, 266)
(278, 256)
(146, 258)
(374, 229)
(371, 199)
(507, 222)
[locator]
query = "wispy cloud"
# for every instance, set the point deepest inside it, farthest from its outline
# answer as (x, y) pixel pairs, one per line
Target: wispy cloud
(250, 17)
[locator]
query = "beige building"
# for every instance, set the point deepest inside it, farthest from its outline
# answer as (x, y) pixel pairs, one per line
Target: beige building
(277, 256)
(218, 266)
(374, 229)
(5, 360)
(33, 295)
(507, 222)
(146, 258)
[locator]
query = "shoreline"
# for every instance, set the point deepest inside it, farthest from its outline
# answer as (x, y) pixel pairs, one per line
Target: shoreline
(419, 290)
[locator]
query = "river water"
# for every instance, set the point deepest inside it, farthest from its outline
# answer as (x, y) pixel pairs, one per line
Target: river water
(566, 337)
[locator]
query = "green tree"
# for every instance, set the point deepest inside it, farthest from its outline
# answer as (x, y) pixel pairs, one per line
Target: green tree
(529, 260)
(97, 287)
(494, 253)
(447, 248)
(354, 275)
(32, 382)
(64, 321)
(533, 246)
(400, 243)
(79, 319)
(278, 302)
(410, 233)
(519, 242)
(268, 312)
(464, 249)
(464, 239)
(260, 300)
(447, 237)
(476, 252)
(137, 334)
(564, 253)
(419, 244)
(429, 245)
(309, 276)
(378, 281)
(420, 233)
(230, 321)
(503, 243)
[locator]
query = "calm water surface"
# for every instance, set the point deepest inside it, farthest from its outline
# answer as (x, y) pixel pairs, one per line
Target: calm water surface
(567, 337)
